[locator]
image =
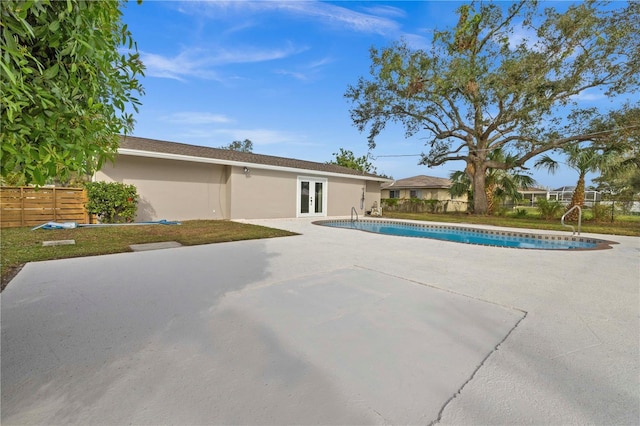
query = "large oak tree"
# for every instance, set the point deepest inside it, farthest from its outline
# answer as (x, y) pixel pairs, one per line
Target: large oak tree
(504, 78)
(69, 84)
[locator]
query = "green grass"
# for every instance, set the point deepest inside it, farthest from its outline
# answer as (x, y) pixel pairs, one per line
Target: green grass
(21, 245)
(623, 225)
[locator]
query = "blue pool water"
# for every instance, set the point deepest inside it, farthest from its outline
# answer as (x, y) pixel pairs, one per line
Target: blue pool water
(471, 235)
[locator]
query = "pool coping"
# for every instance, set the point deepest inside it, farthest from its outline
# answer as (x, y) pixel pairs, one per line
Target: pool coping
(600, 244)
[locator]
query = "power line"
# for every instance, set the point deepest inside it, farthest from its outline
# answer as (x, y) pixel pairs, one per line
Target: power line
(396, 155)
(492, 149)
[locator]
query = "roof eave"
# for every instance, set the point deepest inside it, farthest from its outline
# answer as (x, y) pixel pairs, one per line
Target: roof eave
(180, 157)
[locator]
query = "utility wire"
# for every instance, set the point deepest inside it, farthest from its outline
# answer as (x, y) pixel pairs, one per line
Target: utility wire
(491, 149)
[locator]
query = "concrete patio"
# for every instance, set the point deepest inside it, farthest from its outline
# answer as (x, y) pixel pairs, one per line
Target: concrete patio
(332, 326)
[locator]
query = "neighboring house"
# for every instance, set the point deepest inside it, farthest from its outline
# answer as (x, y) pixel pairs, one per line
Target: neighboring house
(565, 193)
(424, 188)
(530, 195)
(176, 181)
(562, 194)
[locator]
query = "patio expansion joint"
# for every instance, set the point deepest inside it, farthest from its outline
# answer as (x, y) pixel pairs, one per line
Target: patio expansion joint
(444, 289)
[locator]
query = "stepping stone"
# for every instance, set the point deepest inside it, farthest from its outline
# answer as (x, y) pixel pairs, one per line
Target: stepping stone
(155, 246)
(58, 243)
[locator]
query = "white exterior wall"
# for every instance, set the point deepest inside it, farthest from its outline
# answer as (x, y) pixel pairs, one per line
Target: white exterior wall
(343, 194)
(184, 190)
(441, 194)
(172, 190)
(262, 194)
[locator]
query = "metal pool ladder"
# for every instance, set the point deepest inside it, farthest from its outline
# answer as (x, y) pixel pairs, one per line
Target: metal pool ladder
(353, 210)
(579, 219)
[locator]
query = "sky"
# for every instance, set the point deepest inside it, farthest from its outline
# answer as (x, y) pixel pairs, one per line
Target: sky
(275, 72)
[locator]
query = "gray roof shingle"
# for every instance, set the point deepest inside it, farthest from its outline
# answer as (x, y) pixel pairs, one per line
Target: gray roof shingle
(153, 145)
(420, 181)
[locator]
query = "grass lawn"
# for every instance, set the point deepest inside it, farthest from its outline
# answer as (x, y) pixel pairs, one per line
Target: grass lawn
(21, 245)
(623, 225)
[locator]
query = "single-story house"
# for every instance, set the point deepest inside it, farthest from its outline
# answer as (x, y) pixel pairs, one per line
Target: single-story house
(176, 181)
(531, 194)
(424, 188)
(564, 194)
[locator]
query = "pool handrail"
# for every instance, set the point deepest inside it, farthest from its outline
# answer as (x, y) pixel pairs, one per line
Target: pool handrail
(353, 210)
(573, 230)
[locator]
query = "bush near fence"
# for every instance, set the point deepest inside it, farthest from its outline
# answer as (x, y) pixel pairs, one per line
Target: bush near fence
(28, 206)
(418, 205)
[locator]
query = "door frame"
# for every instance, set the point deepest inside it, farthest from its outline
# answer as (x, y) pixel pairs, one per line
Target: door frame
(312, 181)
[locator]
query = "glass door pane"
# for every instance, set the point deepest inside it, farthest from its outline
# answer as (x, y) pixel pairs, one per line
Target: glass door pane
(318, 200)
(304, 197)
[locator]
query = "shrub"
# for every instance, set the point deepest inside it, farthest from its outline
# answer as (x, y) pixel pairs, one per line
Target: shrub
(433, 206)
(112, 202)
(500, 211)
(601, 212)
(389, 202)
(549, 209)
(414, 205)
(520, 213)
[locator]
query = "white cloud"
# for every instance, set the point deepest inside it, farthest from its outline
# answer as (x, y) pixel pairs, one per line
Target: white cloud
(307, 72)
(321, 62)
(297, 75)
(185, 64)
(384, 10)
(323, 12)
(592, 95)
(200, 63)
(528, 36)
(197, 118)
(415, 41)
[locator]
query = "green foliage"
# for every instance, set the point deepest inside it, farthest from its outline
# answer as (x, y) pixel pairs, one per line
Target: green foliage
(240, 146)
(66, 86)
(475, 89)
(112, 202)
(501, 211)
(435, 206)
(346, 158)
(583, 160)
(499, 184)
(520, 213)
(602, 212)
(549, 209)
(621, 177)
(389, 202)
(414, 204)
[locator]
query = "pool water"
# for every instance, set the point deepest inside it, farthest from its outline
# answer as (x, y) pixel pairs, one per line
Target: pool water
(472, 235)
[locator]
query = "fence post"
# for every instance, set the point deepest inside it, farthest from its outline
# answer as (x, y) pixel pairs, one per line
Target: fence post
(55, 204)
(84, 204)
(22, 219)
(613, 205)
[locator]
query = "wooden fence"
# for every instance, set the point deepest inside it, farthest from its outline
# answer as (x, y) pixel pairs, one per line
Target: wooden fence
(27, 206)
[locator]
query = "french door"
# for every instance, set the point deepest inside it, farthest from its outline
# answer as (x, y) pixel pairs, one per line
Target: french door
(312, 197)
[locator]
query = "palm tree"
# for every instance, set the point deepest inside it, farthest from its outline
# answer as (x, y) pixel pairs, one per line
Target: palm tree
(499, 184)
(583, 160)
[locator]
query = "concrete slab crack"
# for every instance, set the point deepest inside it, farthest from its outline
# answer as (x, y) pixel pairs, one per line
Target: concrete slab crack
(437, 420)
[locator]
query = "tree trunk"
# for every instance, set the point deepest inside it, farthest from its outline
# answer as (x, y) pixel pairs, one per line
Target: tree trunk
(491, 202)
(577, 199)
(480, 204)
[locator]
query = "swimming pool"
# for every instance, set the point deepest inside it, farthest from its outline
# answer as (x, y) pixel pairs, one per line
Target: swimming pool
(496, 238)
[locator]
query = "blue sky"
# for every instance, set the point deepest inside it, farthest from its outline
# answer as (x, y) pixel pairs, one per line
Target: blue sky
(275, 72)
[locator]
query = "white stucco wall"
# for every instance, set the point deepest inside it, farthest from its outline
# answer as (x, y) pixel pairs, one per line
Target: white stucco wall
(172, 190)
(344, 193)
(184, 190)
(262, 194)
